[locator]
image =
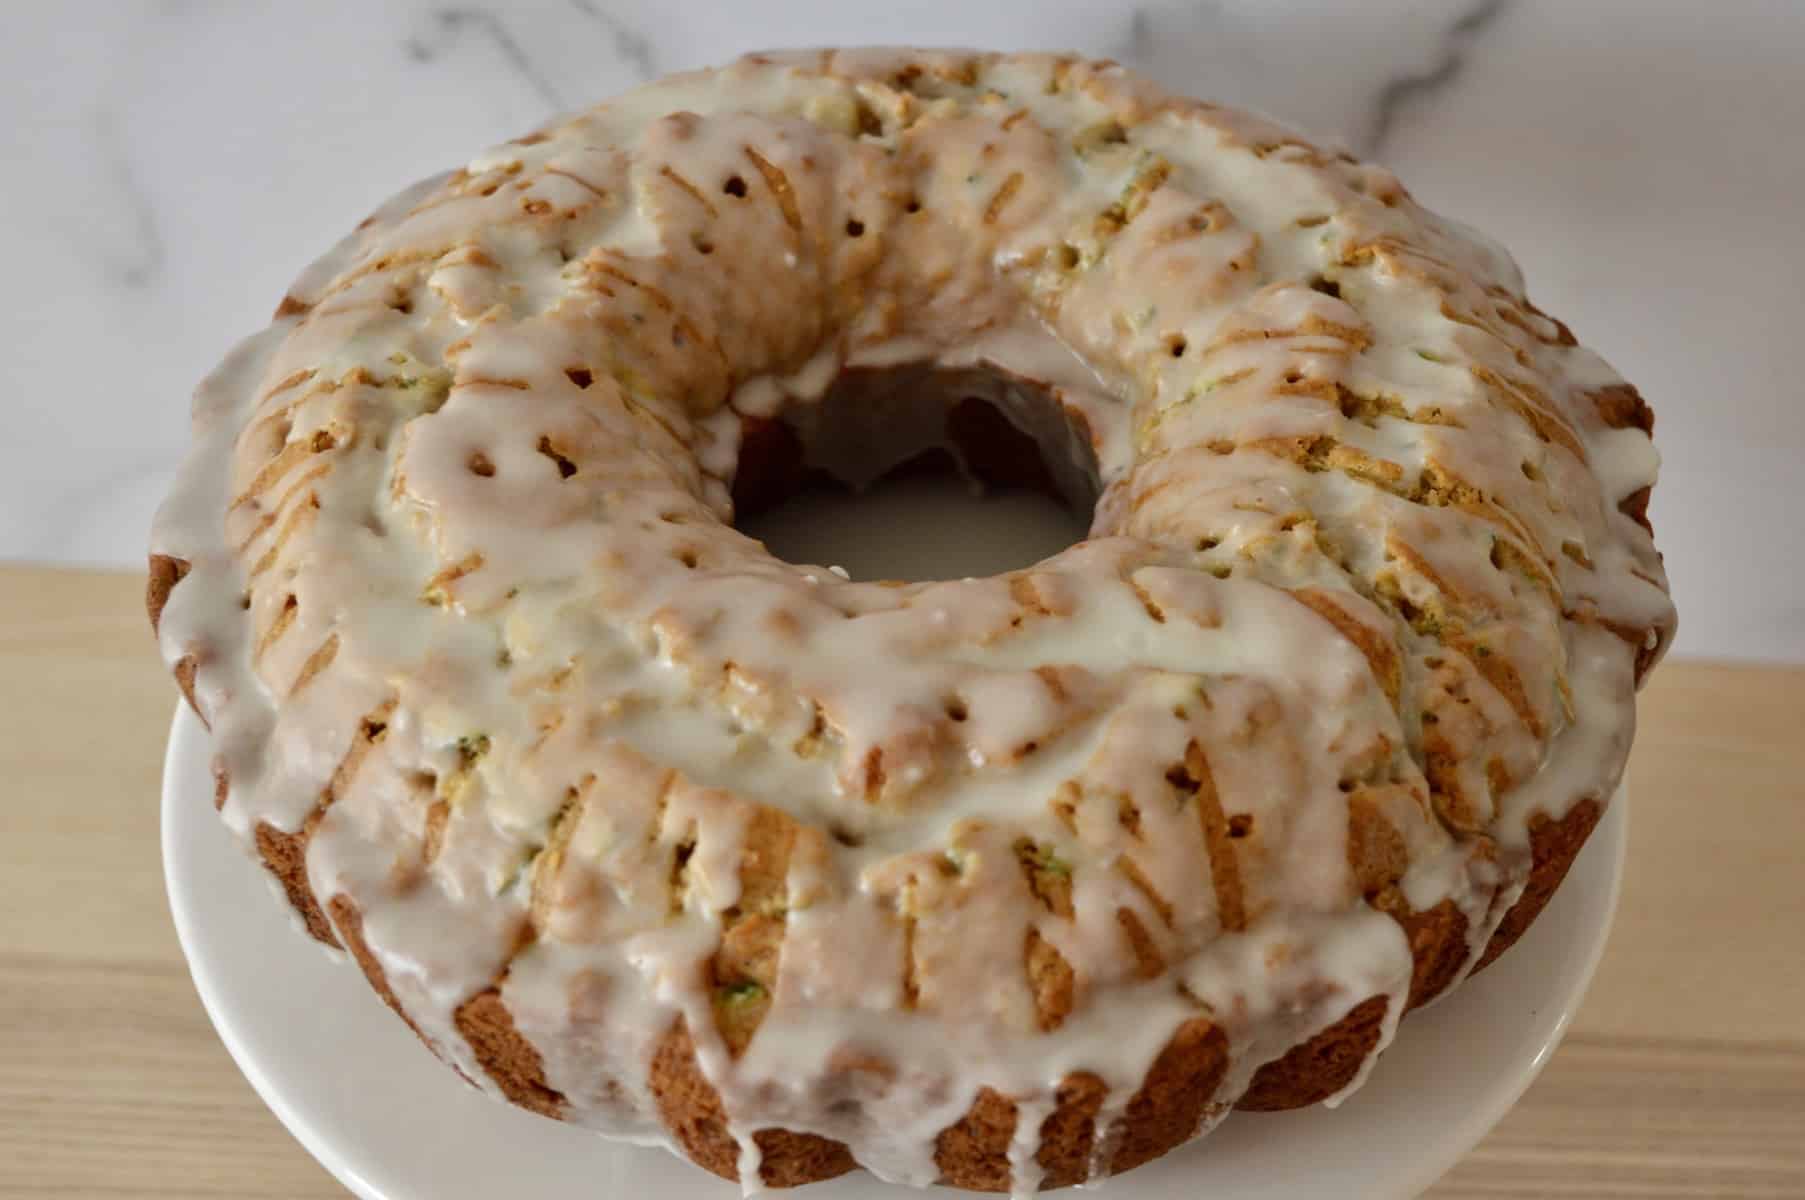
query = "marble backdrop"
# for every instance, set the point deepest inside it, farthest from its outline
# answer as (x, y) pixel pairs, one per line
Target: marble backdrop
(170, 166)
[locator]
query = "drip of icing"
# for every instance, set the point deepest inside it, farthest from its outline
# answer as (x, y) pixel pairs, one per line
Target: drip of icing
(466, 615)
(751, 1159)
(1025, 1171)
(1107, 1138)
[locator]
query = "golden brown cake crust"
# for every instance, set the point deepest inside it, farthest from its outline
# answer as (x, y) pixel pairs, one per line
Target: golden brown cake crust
(506, 1057)
(165, 572)
(1556, 844)
(285, 856)
(350, 926)
(1317, 1069)
(692, 1110)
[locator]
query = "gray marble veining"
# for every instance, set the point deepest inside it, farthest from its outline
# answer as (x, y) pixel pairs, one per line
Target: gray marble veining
(139, 256)
(1409, 87)
(631, 46)
(446, 25)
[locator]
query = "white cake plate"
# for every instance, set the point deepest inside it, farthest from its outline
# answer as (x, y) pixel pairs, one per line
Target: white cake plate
(391, 1123)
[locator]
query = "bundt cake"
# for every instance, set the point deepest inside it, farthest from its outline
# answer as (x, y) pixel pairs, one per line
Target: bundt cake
(1006, 883)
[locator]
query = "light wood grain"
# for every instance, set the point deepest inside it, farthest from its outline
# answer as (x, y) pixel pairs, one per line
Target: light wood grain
(1684, 1075)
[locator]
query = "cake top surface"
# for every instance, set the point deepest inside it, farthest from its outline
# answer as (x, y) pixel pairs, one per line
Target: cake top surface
(1368, 584)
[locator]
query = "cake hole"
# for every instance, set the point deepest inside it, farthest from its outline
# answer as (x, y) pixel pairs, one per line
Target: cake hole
(913, 206)
(1105, 133)
(688, 558)
(679, 882)
(875, 775)
(1240, 825)
(702, 244)
(906, 79)
(870, 124)
(1176, 346)
(956, 709)
(1327, 287)
(1408, 609)
(1294, 376)
(583, 377)
(855, 229)
(1069, 257)
(735, 187)
(998, 482)
(479, 464)
(566, 468)
(1532, 472)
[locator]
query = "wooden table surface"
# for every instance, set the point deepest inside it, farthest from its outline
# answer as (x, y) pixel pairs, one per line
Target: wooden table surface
(1683, 1075)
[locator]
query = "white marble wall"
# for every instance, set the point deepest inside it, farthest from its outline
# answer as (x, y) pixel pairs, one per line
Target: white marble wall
(168, 167)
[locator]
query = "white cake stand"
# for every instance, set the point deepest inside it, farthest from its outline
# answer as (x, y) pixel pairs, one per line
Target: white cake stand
(391, 1123)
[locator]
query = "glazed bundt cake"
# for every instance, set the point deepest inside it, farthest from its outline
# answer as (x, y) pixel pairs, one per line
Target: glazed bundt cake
(1003, 883)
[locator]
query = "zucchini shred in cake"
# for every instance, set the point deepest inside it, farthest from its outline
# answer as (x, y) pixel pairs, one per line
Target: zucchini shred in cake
(1006, 883)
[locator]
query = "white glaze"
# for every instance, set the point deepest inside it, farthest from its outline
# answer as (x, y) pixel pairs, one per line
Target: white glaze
(604, 645)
